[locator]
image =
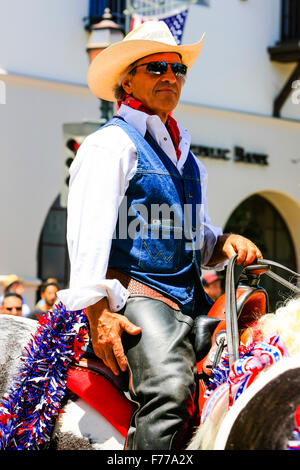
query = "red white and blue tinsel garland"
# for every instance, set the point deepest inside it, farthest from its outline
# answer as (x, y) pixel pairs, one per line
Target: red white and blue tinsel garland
(29, 410)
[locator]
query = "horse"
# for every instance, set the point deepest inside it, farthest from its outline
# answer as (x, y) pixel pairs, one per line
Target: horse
(83, 422)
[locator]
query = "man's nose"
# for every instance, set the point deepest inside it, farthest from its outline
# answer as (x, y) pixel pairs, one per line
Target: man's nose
(169, 75)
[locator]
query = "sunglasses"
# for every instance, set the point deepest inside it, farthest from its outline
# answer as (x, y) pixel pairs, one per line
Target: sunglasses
(160, 67)
(11, 308)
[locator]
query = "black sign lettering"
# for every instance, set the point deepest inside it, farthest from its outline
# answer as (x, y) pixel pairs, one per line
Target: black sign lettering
(239, 154)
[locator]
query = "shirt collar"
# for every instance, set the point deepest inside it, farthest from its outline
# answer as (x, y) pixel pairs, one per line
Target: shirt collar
(142, 121)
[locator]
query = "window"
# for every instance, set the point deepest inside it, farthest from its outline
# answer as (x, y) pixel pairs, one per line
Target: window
(290, 21)
(160, 7)
(122, 10)
(97, 7)
(53, 258)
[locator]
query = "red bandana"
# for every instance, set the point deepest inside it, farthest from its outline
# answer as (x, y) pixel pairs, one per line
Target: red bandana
(171, 124)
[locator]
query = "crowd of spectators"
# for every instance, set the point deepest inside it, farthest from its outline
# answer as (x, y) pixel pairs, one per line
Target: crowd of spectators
(13, 302)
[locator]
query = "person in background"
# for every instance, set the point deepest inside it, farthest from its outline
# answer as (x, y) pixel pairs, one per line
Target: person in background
(13, 283)
(42, 301)
(12, 304)
(49, 295)
(212, 285)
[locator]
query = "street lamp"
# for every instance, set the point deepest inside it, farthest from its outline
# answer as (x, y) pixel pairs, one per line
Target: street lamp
(102, 35)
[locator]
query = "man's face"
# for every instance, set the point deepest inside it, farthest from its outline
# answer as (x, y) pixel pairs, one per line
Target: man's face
(50, 295)
(160, 93)
(12, 306)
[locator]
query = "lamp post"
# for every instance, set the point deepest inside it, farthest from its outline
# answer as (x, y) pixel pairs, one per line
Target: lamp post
(102, 35)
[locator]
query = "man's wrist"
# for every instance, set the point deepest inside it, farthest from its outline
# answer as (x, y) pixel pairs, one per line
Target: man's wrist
(94, 311)
(218, 255)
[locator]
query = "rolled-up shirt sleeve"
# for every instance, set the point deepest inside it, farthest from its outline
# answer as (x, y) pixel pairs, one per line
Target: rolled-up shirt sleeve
(99, 177)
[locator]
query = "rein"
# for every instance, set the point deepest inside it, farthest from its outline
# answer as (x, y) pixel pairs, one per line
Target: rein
(278, 278)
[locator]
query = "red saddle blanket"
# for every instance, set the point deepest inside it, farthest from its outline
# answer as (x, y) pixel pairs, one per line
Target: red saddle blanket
(101, 394)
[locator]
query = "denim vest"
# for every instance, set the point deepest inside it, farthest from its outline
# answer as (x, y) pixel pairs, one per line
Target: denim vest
(154, 241)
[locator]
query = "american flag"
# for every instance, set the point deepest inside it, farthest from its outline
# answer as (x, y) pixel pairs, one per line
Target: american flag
(174, 21)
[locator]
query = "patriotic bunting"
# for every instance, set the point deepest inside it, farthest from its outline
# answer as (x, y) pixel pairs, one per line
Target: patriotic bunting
(175, 22)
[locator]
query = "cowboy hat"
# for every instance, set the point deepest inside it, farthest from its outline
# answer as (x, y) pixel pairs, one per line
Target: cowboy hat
(150, 37)
(11, 279)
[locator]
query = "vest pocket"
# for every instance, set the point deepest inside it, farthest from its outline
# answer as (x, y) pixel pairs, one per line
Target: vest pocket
(161, 248)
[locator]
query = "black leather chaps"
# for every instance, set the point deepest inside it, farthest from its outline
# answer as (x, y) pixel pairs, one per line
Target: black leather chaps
(162, 374)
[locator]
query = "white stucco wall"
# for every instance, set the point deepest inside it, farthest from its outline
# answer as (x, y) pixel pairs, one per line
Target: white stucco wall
(44, 38)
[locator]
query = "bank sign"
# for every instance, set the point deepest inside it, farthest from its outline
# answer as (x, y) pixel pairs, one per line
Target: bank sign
(238, 154)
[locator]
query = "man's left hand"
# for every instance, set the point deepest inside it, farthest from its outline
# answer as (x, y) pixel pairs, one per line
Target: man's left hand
(247, 251)
(230, 244)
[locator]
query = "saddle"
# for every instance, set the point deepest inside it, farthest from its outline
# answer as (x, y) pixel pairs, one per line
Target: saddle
(91, 380)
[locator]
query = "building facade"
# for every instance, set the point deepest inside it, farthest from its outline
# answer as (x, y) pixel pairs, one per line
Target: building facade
(241, 104)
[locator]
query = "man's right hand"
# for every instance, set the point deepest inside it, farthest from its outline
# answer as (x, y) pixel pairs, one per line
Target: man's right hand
(106, 329)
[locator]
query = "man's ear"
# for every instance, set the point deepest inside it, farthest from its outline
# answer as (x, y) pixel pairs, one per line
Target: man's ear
(126, 84)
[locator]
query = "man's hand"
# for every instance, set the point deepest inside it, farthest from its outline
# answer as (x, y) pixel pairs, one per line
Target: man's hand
(106, 329)
(230, 244)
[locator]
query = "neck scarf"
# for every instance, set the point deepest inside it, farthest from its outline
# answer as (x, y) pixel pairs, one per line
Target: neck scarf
(171, 123)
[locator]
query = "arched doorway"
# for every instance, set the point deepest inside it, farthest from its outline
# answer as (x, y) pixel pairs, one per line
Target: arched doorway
(257, 219)
(53, 258)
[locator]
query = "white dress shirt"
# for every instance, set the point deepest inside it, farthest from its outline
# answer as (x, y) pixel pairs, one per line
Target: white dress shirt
(99, 177)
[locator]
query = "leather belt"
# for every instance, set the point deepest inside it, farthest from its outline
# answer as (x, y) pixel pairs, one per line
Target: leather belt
(137, 288)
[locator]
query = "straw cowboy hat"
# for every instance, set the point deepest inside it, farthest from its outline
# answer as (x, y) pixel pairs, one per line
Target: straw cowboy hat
(151, 37)
(11, 279)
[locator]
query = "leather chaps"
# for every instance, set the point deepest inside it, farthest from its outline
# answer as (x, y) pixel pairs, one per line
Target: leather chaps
(162, 375)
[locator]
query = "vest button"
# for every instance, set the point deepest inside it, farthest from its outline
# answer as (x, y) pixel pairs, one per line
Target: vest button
(188, 290)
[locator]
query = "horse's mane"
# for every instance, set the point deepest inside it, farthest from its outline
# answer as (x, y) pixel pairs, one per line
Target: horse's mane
(285, 322)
